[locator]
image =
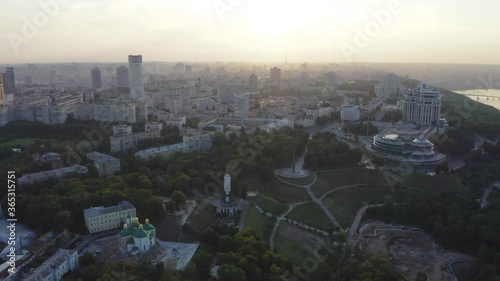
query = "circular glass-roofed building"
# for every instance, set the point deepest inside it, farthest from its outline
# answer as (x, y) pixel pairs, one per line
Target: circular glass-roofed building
(411, 144)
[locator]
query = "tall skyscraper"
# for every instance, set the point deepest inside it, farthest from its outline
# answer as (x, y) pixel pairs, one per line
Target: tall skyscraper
(122, 76)
(2, 96)
(390, 85)
(275, 74)
(96, 78)
(52, 78)
(135, 77)
(9, 81)
(422, 105)
(253, 83)
(241, 105)
(189, 68)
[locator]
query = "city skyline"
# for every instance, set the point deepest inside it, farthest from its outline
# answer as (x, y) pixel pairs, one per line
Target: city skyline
(53, 31)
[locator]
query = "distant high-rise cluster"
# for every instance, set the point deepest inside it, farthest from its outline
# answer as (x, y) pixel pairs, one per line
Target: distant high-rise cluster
(135, 77)
(422, 105)
(96, 78)
(275, 74)
(9, 81)
(122, 75)
(390, 85)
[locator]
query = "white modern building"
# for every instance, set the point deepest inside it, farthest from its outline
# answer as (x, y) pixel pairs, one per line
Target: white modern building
(390, 85)
(135, 77)
(349, 113)
(241, 105)
(422, 105)
(101, 218)
(410, 145)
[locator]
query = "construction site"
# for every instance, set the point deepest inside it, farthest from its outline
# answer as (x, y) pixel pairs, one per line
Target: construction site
(410, 250)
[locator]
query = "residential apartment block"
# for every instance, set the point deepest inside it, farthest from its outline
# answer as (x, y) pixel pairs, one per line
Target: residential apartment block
(106, 165)
(56, 266)
(123, 139)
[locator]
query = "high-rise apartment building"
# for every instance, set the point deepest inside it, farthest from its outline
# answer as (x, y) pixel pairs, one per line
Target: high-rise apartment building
(253, 83)
(135, 77)
(275, 74)
(390, 85)
(122, 76)
(9, 81)
(96, 78)
(241, 106)
(422, 105)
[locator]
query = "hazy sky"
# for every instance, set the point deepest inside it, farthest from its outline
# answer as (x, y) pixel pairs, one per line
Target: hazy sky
(438, 31)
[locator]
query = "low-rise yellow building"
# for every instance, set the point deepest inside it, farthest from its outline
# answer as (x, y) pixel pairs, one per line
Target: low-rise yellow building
(99, 219)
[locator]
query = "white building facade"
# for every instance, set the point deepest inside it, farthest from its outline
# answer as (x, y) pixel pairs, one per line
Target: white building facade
(135, 77)
(390, 85)
(349, 113)
(422, 105)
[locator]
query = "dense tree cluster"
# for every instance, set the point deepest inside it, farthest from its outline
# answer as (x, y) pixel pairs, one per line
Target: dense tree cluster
(361, 129)
(325, 150)
(55, 206)
(454, 142)
(393, 116)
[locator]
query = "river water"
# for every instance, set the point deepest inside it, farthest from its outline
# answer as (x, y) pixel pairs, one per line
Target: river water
(483, 92)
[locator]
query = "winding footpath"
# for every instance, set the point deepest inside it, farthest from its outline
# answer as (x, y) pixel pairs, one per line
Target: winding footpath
(279, 220)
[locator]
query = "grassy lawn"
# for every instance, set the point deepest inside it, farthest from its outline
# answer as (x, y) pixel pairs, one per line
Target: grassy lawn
(267, 203)
(290, 249)
(260, 223)
(328, 180)
(277, 190)
(345, 203)
(202, 217)
(311, 214)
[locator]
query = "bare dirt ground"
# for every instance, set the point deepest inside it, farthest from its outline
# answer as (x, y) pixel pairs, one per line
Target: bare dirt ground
(410, 252)
(308, 240)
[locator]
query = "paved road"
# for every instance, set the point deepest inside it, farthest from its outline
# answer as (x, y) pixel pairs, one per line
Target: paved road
(355, 224)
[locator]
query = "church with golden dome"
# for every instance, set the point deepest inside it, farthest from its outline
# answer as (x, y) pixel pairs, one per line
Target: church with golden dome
(136, 238)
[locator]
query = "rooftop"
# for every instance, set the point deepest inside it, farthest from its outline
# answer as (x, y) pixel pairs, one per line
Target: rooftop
(57, 173)
(161, 148)
(101, 157)
(98, 211)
